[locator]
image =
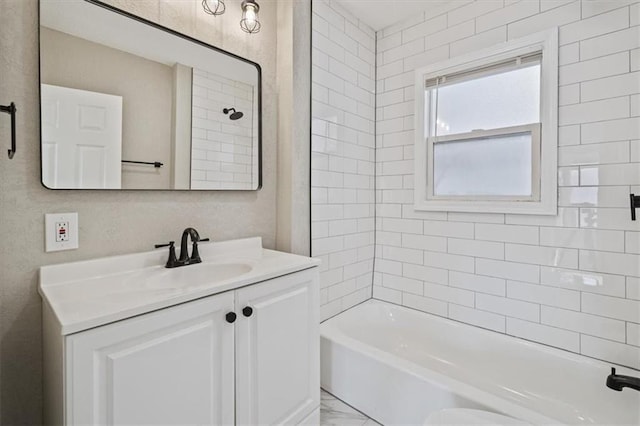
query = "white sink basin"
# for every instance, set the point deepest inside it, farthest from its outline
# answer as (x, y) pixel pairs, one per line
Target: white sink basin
(95, 292)
(196, 275)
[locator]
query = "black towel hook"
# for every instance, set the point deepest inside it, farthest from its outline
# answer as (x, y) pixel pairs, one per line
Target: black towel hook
(634, 201)
(11, 110)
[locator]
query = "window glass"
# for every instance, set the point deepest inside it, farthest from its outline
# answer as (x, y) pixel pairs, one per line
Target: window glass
(495, 166)
(496, 100)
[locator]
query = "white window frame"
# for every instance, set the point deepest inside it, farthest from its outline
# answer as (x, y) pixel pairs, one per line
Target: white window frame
(544, 199)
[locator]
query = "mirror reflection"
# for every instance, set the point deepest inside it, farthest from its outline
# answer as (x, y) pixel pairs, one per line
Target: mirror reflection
(126, 104)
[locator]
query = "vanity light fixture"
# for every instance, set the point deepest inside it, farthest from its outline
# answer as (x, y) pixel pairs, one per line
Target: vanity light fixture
(249, 22)
(213, 7)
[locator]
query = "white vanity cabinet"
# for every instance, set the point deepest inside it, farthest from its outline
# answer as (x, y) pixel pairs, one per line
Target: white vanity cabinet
(193, 363)
(174, 366)
(278, 350)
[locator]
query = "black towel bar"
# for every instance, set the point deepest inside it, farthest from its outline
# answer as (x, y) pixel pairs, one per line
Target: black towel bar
(11, 110)
(155, 164)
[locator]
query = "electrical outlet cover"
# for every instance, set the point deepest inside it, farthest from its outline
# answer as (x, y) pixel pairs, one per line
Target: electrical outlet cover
(53, 242)
(62, 232)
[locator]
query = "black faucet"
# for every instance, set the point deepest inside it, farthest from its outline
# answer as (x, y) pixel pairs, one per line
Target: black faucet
(184, 250)
(185, 259)
(617, 381)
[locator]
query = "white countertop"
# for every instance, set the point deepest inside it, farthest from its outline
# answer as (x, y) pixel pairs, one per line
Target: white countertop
(91, 293)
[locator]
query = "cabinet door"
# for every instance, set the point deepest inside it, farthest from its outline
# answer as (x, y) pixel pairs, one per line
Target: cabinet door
(173, 366)
(277, 350)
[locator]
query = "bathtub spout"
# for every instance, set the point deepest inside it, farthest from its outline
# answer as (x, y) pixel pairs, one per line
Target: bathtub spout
(618, 382)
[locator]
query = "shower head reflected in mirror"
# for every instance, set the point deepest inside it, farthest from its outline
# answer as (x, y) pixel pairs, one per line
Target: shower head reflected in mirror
(235, 115)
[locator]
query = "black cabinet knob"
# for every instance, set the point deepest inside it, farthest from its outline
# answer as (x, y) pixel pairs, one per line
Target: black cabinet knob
(231, 317)
(247, 311)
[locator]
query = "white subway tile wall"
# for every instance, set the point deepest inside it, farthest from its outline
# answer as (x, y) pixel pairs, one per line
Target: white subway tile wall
(570, 281)
(343, 156)
(221, 148)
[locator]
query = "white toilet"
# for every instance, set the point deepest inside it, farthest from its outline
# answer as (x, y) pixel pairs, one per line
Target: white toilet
(468, 417)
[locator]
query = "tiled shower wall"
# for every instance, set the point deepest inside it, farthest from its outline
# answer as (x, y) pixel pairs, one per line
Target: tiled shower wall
(570, 281)
(343, 156)
(221, 148)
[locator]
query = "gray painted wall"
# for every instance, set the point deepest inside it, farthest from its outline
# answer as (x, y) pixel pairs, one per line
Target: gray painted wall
(294, 117)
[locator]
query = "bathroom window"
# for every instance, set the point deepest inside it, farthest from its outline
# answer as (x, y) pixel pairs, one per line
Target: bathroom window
(487, 138)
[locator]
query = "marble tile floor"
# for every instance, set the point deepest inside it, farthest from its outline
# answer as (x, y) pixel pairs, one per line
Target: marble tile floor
(334, 412)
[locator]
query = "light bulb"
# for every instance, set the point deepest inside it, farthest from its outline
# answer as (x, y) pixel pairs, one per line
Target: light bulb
(250, 16)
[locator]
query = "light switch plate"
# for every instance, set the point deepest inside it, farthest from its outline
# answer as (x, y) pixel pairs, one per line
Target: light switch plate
(59, 237)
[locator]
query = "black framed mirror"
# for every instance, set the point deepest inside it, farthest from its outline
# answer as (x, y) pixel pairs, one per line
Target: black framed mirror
(128, 104)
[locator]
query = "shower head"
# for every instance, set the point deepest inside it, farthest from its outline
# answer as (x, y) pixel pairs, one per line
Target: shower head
(235, 115)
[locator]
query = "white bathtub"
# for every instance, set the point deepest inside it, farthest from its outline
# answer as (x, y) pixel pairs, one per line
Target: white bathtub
(398, 365)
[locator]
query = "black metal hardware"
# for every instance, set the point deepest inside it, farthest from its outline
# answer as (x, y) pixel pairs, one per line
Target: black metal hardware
(184, 251)
(195, 255)
(155, 164)
(618, 382)
(185, 259)
(231, 317)
(235, 115)
(11, 110)
(247, 311)
(634, 201)
(172, 260)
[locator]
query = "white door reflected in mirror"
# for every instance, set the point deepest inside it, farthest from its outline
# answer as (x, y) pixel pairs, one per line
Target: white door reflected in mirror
(81, 138)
